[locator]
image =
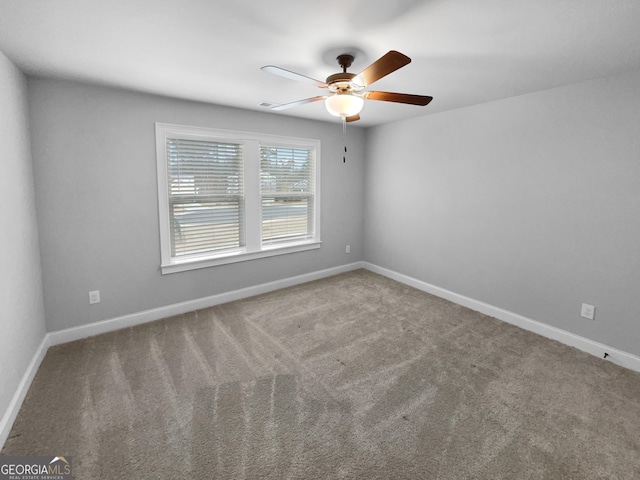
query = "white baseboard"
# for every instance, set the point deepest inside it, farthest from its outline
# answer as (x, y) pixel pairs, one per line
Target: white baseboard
(23, 387)
(83, 331)
(619, 357)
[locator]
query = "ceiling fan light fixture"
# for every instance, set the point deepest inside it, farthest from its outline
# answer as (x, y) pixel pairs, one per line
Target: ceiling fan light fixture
(344, 104)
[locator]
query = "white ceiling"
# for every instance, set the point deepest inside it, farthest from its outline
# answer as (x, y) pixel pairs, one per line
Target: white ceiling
(464, 52)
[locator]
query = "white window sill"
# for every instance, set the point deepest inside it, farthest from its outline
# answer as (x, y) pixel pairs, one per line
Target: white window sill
(237, 256)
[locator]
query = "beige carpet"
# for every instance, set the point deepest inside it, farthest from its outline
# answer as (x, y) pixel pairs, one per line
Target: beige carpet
(354, 376)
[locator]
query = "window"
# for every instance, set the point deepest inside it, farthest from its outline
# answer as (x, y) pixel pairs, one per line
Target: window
(232, 196)
(286, 181)
(205, 182)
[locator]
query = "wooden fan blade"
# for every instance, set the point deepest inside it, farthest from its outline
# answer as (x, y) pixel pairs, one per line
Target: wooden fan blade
(353, 118)
(398, 98)
(285, 106)
(281, 72)
(388, 63)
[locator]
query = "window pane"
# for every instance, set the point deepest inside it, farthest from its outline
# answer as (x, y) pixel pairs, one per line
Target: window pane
(205, 227)
(286, 183)
(205, 181)
(286, 218)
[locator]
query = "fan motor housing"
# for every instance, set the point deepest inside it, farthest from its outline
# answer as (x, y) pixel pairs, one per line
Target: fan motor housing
(343, 83)
(340, 77)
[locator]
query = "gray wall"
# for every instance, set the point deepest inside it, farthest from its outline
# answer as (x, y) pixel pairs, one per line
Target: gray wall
(22, 326)
(96, 192)
(531, 204)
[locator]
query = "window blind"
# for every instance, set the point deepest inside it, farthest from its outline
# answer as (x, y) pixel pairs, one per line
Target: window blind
(206, 195)
(287, 193)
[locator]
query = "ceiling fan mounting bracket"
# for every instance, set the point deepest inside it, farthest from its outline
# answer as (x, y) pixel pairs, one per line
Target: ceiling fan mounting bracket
(345, 60)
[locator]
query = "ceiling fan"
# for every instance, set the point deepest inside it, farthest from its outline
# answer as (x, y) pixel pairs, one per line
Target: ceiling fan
(345, 96)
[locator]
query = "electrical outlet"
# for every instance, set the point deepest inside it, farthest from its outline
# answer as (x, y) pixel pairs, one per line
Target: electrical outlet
(348, 249)
(588, 311)
(94, 297)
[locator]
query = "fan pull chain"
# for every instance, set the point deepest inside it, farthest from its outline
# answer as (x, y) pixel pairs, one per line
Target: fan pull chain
(344, 139)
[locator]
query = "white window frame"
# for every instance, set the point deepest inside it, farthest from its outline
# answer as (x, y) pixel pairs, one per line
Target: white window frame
(252, 204)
